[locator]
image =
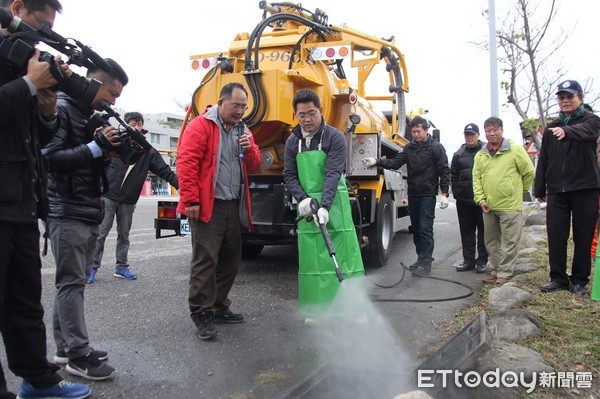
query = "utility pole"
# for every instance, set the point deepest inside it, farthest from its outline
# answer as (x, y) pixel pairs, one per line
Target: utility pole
(495, 111)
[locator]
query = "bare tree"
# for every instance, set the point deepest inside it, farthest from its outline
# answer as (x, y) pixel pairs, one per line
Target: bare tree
(528, 55)
(531, 64)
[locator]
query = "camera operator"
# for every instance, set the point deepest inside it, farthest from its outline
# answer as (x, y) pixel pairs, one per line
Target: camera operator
(27, 122)
(77, 157)
(125, 185)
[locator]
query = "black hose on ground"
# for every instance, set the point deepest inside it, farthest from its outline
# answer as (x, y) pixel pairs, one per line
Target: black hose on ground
(419, 300)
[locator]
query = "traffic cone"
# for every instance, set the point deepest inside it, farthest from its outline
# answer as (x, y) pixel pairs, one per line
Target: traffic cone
(596, 283)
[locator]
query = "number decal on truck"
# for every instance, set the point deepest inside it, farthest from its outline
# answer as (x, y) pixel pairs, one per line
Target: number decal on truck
(277, 55)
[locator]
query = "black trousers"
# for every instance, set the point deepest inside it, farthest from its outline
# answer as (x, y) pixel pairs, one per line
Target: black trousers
(579, 209)
(21, 312)
(470, 222)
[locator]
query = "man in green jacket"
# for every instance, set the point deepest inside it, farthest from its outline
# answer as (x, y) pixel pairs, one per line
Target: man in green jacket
(501, 173)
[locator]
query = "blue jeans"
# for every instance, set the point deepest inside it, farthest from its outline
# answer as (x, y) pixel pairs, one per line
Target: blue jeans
(422, 213)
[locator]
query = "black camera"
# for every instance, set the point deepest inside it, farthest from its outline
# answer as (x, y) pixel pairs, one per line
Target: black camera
(75, 86)
(19, 47)
(133, 143)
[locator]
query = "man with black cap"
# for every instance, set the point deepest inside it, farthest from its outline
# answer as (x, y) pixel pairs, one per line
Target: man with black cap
(470, 218)
(124, 188)
(568, 178)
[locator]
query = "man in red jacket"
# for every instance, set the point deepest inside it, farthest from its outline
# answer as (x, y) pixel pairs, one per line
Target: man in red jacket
(216, 153)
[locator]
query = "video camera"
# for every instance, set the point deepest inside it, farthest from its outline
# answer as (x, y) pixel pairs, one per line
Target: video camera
(19, 47)
(133, 143)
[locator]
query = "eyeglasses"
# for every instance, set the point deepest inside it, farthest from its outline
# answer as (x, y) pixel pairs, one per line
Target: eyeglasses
(309, 115)
(565, 96)
(492, 129)
(238, 107)
(40, 22)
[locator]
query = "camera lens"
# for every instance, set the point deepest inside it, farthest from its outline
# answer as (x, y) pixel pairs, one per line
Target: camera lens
(80, 88)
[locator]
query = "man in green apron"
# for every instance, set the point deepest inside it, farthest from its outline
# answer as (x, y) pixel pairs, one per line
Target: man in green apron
(315, 159)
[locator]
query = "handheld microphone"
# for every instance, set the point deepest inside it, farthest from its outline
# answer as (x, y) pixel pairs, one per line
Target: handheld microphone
(241, 129)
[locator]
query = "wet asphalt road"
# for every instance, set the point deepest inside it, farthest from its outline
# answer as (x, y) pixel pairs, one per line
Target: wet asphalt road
(146, 328)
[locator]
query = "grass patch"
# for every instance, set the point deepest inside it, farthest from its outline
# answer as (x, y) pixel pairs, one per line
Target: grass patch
(570, 340)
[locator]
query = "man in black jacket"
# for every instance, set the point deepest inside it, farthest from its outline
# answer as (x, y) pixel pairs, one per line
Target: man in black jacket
(124, 187)
(27, 121)
(428, 171)
(470, 215)
(567, 177)
(76, 157)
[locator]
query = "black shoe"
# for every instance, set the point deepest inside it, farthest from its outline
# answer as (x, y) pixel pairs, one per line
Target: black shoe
(465, 267)
(228, 317)
(578, 289)
(422, 271)
(414, 266)
(204, 325)
(91, 368)
(553, 286)
(480, 267)
(61, 356)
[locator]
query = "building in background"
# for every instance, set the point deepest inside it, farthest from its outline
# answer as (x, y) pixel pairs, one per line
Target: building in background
(163, 134)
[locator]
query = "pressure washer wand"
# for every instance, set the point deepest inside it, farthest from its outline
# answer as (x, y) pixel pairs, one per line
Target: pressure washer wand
(314, 206)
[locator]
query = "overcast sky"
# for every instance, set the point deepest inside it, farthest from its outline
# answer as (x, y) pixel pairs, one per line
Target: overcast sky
(448, 74)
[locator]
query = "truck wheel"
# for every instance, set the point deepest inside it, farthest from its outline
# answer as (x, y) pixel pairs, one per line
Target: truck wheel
(382, 232)
(251, 250)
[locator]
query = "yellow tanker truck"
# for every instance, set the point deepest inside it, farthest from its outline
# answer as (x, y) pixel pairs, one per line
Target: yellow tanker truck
(292, 48)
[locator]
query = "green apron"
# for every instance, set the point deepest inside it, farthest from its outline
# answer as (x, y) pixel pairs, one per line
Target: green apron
(317, 281)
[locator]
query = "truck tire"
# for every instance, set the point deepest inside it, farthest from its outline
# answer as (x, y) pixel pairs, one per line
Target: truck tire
(251, 250)
(381, 233)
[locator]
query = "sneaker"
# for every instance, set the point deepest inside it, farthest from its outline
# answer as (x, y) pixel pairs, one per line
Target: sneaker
(490, 278)
(91, 368)
(422, 271)
(92, 278)
(204, 325)
(61, 356)
(228, 317)
(124, 272)
(63, 389)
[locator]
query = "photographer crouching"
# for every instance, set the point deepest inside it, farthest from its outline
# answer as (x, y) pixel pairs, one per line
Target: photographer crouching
(27, 122)
(77, 157)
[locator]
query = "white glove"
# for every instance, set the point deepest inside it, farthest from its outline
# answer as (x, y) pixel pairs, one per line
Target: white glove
(304, 207)
(443, 202)
(323, 217)
(370, 162)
